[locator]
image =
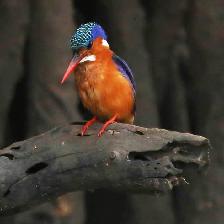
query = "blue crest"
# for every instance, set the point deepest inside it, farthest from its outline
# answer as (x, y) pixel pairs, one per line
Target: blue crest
(85, 34)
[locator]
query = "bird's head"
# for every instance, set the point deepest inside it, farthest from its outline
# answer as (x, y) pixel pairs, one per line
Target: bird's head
(84, 36)
(81, 41)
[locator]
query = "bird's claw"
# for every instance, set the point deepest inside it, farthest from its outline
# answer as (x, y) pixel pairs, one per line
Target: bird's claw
(101, 132)
(84, 129)
(87, 125)
(109, 122)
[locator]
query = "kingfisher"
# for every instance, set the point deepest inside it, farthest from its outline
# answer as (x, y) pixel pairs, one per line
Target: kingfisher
(103, 80)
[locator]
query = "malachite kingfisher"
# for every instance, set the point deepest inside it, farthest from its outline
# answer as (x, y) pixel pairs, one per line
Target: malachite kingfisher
(103, 80)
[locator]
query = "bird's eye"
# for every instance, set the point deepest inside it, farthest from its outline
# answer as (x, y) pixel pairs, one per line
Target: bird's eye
(90, 45)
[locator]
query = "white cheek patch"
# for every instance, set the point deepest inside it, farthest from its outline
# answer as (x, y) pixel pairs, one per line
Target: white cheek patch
(105, 43)
(88, 58)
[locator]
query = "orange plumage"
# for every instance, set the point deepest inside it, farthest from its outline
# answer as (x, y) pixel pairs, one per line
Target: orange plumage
(102, 88)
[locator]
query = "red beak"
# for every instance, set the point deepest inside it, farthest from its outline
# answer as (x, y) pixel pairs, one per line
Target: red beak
(73, 64)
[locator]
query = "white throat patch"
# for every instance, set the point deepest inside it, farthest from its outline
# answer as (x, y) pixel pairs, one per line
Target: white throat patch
(88, 58)
(105, 43)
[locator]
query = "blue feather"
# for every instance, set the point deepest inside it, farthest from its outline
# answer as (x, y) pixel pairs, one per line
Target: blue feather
(85, 34)
(98, 31)
(127, 73)
(125, 70)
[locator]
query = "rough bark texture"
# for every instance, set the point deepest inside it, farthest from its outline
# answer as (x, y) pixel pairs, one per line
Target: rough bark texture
(127, 157)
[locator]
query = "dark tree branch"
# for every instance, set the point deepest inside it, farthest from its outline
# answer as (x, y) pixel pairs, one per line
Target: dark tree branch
(126, 157)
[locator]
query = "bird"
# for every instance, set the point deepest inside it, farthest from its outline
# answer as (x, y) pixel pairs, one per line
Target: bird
(103, 80)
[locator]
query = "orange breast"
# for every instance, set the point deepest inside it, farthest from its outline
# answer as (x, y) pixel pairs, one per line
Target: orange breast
(103, 90)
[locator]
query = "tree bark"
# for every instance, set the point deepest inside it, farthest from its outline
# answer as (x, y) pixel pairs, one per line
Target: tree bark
(165, 41)
(49, 52)
(14, 18)
(13, 25)
(50, 103)
(204, 85)
(127, 158)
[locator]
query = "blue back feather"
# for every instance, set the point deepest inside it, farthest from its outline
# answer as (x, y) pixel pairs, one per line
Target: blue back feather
(127, 73)
(125, 70)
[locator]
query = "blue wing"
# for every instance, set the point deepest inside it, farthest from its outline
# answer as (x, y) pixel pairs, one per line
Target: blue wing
(125, 70)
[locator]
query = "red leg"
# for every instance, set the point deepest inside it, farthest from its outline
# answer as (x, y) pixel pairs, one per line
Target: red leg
(111, 121)
(87, 125)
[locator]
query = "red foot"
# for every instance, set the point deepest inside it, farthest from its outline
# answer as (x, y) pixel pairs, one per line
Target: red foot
(111, 121)
(87, 125)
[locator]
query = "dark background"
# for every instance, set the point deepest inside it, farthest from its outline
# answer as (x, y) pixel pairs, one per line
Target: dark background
(176, 51)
